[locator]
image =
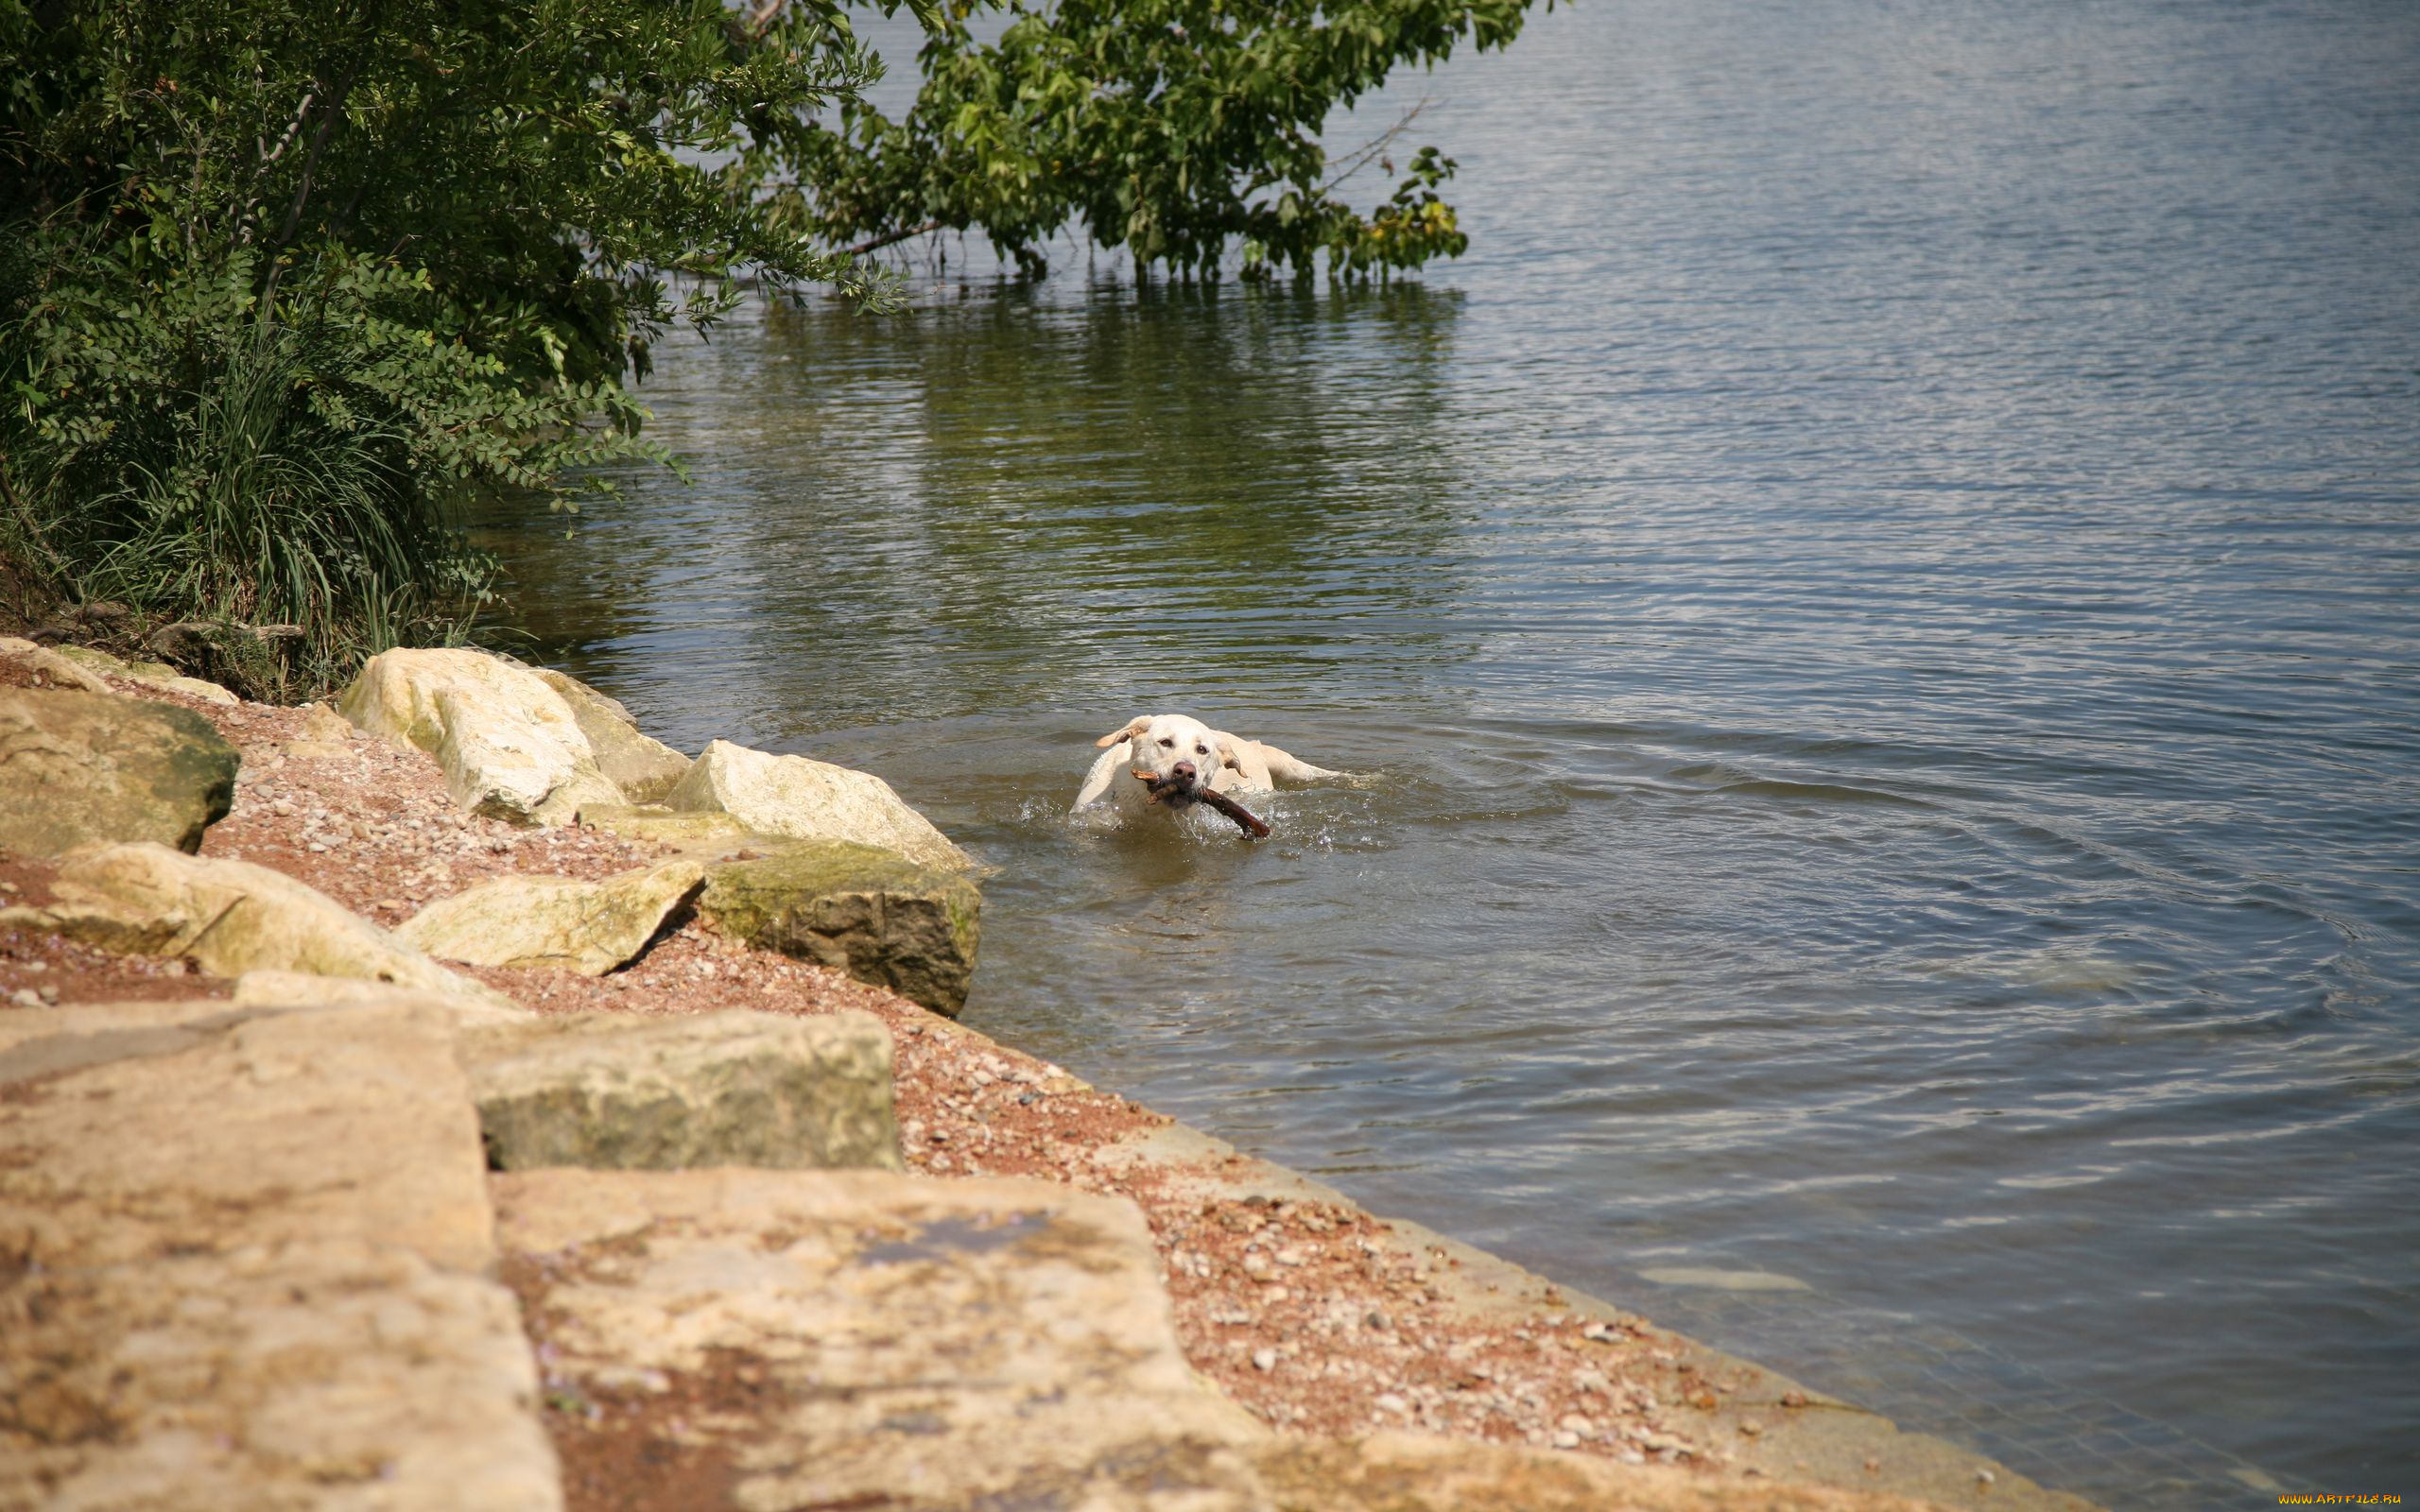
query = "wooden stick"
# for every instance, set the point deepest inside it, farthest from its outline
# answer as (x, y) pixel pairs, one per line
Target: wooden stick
(1242, 815)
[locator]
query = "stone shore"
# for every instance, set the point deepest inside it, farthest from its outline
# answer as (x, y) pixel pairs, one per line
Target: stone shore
(453, 1099)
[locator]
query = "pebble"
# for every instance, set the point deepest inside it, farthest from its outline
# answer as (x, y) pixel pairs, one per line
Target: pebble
(1389, 1401)
(1263, 1359)
(25, 997)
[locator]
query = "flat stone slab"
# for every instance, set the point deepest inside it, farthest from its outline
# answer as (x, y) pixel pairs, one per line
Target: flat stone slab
(868, 912)
(79, 768)
(587, 927)
(629, 1092)
(310, 1375)
(643, 767)
(776, 1341)
(146, 1132)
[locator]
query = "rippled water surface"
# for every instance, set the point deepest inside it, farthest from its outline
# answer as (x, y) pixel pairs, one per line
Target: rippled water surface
(1879, 603)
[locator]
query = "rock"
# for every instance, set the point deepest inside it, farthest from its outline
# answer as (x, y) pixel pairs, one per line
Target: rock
(54, 667)
(325, 1374)
(207, 1133)
(231, 916)
(294, 990)
(848, 1338)
(587, 927)
(804, 800)
(661, 825)
(83, 767)
(1396, 1471)
(149, 674)
(635, 1092)
(643, 767)
(509, 747)
(858, 909)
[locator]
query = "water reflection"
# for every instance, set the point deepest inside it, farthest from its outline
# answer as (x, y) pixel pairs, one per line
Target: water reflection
(1025, 503)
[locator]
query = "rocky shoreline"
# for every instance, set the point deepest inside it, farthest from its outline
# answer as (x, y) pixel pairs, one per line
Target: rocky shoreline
(624, 1173)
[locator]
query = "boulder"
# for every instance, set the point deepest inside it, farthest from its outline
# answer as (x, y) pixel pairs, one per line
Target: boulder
(231, 916)
(587, 927)
(329, 1374)
(643, 767)
(804, 800)
(206, 1134)
(860, 910)
(509, 747)
(848, 1338)
(82, 768)
(629, 1092)
(50, 668)
(149, 674)
(663, 826)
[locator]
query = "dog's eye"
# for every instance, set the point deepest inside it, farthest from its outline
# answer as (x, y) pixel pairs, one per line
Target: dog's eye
(1202, 750)
(1171, 741)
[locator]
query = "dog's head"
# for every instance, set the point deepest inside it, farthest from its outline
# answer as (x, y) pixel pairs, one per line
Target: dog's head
(1182, 755)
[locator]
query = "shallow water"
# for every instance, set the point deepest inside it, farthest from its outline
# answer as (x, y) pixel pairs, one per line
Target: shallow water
(1878, 607)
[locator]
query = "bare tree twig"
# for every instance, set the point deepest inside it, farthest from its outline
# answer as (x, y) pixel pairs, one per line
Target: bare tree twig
(1361, 157)
(880, 242)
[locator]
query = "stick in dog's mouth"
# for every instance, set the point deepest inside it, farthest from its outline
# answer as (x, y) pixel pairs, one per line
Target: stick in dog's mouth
(1168, 791)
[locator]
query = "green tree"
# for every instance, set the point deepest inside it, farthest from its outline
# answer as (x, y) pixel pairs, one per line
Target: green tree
(282, 281)
(1167, 128)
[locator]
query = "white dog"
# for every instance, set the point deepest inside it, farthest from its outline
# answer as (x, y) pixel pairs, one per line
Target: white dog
(1182, 758)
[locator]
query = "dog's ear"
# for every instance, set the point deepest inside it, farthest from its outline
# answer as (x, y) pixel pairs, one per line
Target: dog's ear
(1227, 760)
(1134, 728)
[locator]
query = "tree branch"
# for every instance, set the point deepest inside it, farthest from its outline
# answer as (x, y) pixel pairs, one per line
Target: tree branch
(880, 242)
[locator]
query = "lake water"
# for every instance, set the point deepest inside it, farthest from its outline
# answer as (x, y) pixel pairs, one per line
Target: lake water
(1879, 603)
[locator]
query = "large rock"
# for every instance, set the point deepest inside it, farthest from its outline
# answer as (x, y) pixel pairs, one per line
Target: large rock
(635, 1092)
(804, 799)
(643, 767)
(510, 745)
(849, 1339)
(308, 1375)
(79, 767)
(192, 1135)
(149, 674)
(587, 927)
(231, 916)
(858, 909)
(49, 669)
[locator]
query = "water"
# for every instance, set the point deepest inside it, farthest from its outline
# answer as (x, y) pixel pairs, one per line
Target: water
(1880, 600)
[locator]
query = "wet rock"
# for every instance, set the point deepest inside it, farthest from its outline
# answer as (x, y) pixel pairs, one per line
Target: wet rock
(858, 909)
(661, 825)
(82, 768)
(635, 1092)
(804, 799)
(587, 927)
(159, 1130)
(230, 916)
(510, 748)
(325, 1374)
(864, 1339)
(643, 767)
(149, 674)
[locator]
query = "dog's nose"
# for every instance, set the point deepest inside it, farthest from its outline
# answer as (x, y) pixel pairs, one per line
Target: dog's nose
(1184, 769)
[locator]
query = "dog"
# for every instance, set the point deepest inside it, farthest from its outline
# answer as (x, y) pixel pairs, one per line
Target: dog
(1181, 759)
